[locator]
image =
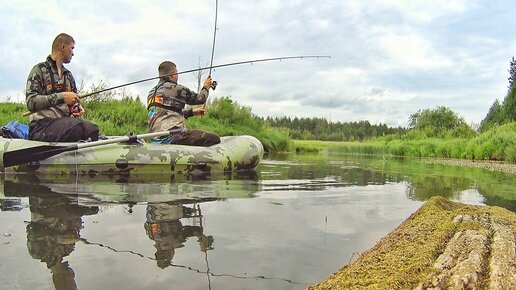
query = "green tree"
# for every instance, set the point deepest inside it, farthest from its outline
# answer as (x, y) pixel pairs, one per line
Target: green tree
(438, 122)
(512, 75)
(493, 118)
(506, 112)
(509, 106)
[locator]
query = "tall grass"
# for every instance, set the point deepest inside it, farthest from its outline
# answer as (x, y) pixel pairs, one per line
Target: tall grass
(120, 117)
(12, 112)
(368, 148)
(117, 117)
(227, 118)
(498, 143)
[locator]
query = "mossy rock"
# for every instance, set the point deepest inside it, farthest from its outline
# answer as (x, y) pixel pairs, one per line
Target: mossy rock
(443, 245)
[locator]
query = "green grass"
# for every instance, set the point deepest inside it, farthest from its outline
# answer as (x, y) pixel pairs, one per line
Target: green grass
(498, 143)
(12, 112)
(129, 115)
(227, 118)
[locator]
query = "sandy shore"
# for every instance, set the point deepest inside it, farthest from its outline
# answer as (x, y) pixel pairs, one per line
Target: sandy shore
(489, 165)
(443, 245)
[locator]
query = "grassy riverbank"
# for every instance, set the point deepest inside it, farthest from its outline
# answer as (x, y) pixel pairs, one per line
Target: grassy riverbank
(442, 245)
(226, 117)
(498, 143)
(120, 117)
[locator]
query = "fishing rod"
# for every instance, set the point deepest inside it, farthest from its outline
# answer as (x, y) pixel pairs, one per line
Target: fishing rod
(213, 46)
(213, 83)
(199, 69)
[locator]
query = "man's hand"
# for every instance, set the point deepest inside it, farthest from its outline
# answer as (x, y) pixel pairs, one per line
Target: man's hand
(207, 83)
(71, 98)
(198, 111)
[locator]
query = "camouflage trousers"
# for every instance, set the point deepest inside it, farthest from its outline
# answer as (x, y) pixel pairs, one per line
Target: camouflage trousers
(193, 138)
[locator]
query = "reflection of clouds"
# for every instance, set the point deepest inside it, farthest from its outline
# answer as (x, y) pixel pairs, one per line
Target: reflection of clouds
(273, 163)
(471, 196)
(338, 212)
(281, 233)
(295, 230)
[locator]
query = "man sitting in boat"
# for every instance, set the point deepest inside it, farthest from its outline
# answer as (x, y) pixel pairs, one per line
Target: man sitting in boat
(166, 103)
(51, 93)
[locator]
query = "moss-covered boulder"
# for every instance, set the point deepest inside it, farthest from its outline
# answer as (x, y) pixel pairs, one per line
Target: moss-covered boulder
(443, 245)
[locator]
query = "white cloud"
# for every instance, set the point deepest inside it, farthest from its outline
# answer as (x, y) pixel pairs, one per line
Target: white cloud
(426, 11)
(411, 51)
(389, 58)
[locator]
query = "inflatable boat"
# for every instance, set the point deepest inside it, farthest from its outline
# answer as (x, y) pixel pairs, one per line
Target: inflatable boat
(124, 155)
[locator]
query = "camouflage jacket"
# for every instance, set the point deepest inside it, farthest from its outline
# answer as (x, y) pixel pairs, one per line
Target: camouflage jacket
(43, 90)
(166, 103)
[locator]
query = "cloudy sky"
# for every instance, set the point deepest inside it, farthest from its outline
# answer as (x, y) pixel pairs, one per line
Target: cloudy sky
(389, 58)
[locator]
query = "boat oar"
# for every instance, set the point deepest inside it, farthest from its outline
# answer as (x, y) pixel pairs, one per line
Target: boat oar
(27, 155)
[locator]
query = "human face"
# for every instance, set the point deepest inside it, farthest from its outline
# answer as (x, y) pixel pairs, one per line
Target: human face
(68, 52)
(175, 76)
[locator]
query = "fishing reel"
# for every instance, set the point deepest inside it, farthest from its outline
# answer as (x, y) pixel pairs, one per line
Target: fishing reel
(214, 85)
(75, 108)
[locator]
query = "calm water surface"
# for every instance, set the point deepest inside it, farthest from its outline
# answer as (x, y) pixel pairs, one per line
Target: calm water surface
(290, 224)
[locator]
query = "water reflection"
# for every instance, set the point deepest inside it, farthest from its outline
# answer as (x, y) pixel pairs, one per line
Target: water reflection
(54, 228)
(172, 218)
(293, 222)
(322, 171)
(165, 228)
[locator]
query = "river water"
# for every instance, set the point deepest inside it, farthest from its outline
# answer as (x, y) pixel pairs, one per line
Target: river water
(292, 223)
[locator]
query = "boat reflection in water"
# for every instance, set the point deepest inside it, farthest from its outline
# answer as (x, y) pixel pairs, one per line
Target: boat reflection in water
(58, 205)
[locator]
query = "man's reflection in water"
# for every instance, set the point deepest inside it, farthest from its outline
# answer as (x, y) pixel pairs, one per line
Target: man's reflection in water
(163, 226)
(54, 228)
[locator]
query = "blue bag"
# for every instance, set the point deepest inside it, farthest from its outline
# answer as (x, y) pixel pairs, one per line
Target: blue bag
(15, 129)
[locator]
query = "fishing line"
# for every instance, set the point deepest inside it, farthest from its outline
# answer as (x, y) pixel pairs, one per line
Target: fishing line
(191, 268)
(203, 223)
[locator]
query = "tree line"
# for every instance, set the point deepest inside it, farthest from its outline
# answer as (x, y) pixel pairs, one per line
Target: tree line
(439, 122)
(321, 129)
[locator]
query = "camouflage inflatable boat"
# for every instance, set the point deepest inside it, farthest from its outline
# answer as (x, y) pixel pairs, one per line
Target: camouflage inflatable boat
(232, 154)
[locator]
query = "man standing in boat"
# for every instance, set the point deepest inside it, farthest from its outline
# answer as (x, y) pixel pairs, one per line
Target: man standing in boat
(166, 103)
(51, 93)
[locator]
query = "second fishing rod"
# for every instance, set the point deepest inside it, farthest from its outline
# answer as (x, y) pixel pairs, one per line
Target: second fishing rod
(200, 69)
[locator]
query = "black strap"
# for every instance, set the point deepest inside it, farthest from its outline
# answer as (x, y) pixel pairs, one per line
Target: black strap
(153, 102)
(52, 80)
(153, 98)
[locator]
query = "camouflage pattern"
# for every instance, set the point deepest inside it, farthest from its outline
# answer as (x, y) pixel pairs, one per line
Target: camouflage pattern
(41, 97)
(174, 96)
(232, 154)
